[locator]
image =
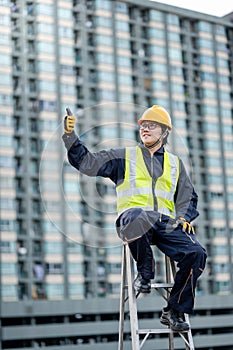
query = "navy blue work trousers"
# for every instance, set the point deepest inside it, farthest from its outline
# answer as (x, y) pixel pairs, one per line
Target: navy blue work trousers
(183, 248)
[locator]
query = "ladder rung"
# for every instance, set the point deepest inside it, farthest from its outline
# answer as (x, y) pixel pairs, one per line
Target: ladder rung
(157, 331)
(154, 331)
(162, 285)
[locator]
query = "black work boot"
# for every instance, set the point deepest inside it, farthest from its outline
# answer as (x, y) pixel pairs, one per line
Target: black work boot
(174, 319)
(142, 285)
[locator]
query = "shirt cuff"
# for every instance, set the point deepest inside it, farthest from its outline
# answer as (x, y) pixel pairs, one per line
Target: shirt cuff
(69, 139)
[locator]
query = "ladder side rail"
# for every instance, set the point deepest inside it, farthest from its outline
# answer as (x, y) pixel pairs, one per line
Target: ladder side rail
(122, 299)
(132, 301)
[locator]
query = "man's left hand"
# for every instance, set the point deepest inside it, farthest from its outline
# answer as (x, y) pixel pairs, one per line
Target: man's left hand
(187, 227)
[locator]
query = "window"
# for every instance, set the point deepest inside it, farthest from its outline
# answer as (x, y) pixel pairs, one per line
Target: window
(64, 13)
(9, 291)
(211, 127)
(6, 120)
(108, 132)
(76, 289)
(156, 16)
(157, 50)
(7, 203)
(108, 95)
(220, 30)
(71, 186)
(177, 88)
(44, 9)
(125, 80)
(6, 141)
(106, 76)
(47, 85)
(7, 247)
(121, 7)
(47, 105)
(5, 20)
(67, 51)
(174, 37)
(173, 19)
(45, 28)
(159, 68)
(156, 33)
(68, 89)
(5, 100)
(75, 268)
(54, 290)
(6, 162)
(212, 144)
(225, 96)
(123, 43)
(209, 93)
(204, 26)
(5, 59)
(45, 47)
(205, 59)
(8, 268)
(206, 76)
(205, 43)
(74, 247)
(5, 39)
(222, 63)
(106, 58)
(122, 26)
(159, 85)
(175, 54)
(7, 225)
(103, 21)
(213, 162)
(5, 79)
(126, 97)
(49, 226)
(106, 40)
(124, 61)
(103, 4)
(54, 268)
(220, 249)
(46, 66)
(52, 247)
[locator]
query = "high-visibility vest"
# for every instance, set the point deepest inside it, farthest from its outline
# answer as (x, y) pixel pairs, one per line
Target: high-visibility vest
(138, 189)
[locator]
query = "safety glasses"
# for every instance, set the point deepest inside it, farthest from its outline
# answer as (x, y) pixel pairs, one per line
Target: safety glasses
(148, 125)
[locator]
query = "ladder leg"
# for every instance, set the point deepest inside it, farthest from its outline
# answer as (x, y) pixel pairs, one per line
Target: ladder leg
(132, 301)
(168, 280)
(122, 299)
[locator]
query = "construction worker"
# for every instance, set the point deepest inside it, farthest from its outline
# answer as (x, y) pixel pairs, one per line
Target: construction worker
(156, 204)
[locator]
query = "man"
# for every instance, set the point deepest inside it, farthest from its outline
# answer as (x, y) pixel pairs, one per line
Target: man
(156, 202)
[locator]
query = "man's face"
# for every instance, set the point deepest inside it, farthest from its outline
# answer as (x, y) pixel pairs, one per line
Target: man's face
(150, 132)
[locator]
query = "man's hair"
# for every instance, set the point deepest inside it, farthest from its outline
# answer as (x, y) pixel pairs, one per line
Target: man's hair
(164, 128)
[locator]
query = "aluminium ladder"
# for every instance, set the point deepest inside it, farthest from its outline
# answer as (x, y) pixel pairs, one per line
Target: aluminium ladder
(127, 278)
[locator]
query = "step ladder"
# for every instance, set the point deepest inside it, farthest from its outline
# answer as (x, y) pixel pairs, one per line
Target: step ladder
(128, 294)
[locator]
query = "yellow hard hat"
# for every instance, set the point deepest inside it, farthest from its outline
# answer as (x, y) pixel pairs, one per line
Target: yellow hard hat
(157, 114)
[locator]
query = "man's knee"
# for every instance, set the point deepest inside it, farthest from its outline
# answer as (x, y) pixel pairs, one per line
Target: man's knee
(133, 223)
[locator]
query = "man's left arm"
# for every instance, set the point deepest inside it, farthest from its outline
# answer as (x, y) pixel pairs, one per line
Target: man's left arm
(185, 197)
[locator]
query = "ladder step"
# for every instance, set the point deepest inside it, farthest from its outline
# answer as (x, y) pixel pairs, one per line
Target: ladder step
(154, 331)
(158, 331)
(161, 285)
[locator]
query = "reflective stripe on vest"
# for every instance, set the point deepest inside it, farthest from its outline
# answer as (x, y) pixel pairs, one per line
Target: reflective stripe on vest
(136, 190)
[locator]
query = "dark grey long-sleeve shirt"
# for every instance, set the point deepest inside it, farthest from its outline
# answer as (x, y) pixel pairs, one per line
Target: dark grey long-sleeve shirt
(111, 164)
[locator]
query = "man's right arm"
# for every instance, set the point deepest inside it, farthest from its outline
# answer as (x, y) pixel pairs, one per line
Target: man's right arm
(106, 163)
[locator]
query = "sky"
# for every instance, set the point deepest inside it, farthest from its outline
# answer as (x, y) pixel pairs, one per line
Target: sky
(216, 8)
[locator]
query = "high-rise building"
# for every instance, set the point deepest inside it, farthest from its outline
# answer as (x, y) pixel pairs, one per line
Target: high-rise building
(107, 61)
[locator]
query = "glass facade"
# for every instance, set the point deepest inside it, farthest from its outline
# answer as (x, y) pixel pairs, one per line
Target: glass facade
(107, 61)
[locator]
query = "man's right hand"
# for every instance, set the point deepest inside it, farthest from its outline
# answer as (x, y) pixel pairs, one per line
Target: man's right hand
(69, 123)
